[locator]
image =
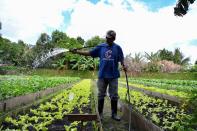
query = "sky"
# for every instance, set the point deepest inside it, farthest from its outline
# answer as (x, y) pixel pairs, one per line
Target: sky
(140, 25)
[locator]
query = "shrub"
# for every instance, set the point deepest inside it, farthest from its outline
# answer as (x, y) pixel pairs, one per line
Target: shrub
(194, 69)
(169, 66)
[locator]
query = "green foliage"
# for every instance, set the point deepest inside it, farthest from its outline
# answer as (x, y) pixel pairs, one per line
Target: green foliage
(152, 57)
(58, 38)
(12, 53)
(153, 67)
(194, 68)
(166, 55)
(20, 54)
(179, 57)
(187, 86)
(8, 68)
(80, 40)
(60, 63)
(137, 58)
(55, 109)
(94, 41)
(84, 63)
(159, 111)
(12, 86)
(43, 45)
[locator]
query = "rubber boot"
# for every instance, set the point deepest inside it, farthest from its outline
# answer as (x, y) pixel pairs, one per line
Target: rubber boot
(114, 106)
(100, 108)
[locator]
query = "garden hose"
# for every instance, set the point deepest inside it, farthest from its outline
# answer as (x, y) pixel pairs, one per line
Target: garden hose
(85, 47)
(128, 96)
(81, 48)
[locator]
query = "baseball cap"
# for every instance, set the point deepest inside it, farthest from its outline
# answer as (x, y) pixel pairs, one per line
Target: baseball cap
(111, 34)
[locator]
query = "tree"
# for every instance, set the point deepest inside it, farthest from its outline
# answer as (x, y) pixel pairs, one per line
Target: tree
(138, 58)
(43, 44)
(80, 40)
(152, 57)
(59, 39)
(153, 61)
(43, 40)
(179, 58)
(165, 55)
(94, 41)
(11, 52)
(182, 7)
(5, 47)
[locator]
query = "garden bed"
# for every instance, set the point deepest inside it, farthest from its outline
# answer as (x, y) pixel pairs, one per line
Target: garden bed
(173, 99)
(13, 86)
(158, 111)
(137, 121)
(51, 115)
(14, 102)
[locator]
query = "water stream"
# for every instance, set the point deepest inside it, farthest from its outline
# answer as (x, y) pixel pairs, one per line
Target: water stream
(40, 60)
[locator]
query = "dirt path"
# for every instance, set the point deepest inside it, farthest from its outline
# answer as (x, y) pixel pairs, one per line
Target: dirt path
(108, 123)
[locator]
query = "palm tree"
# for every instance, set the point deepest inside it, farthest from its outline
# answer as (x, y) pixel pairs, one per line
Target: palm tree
(137, 58)
(152, 57)
(153, 61)
(179, 57)
(182, 7)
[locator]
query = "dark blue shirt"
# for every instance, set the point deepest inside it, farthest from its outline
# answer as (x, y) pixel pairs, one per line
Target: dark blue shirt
(109, 58)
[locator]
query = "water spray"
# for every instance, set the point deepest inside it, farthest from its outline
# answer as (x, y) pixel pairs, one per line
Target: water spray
(44, 57)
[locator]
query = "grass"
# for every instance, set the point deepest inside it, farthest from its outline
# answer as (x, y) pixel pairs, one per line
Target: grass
(71, 73)
(94, 74)
(172, 76)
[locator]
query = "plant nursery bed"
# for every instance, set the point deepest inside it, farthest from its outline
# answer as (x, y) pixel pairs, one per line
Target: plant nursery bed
(156, 112)
(172, 99)
(69, 110)
(137, 121)
(14, 102)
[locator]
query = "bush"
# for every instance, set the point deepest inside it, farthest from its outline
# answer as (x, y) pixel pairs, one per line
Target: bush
(134, 68)
(194, 69)
(169, 66)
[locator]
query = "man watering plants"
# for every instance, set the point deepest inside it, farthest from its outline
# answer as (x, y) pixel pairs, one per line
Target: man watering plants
(110, 55)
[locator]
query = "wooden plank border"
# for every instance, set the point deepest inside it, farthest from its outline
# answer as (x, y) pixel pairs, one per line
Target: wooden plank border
(10, 104)
(23, 108)
(138, 121)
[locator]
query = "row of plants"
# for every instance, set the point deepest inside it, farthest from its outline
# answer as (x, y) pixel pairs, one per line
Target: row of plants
(12, 86)
(159, 111)
(51, 114)
(180, 94)
(8, 68)
(179, 85)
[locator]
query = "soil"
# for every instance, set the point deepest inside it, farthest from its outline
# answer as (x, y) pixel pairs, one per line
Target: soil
(111, 125)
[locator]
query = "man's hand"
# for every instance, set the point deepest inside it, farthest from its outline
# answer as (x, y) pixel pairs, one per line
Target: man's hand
(74, 50)
(124, 67)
